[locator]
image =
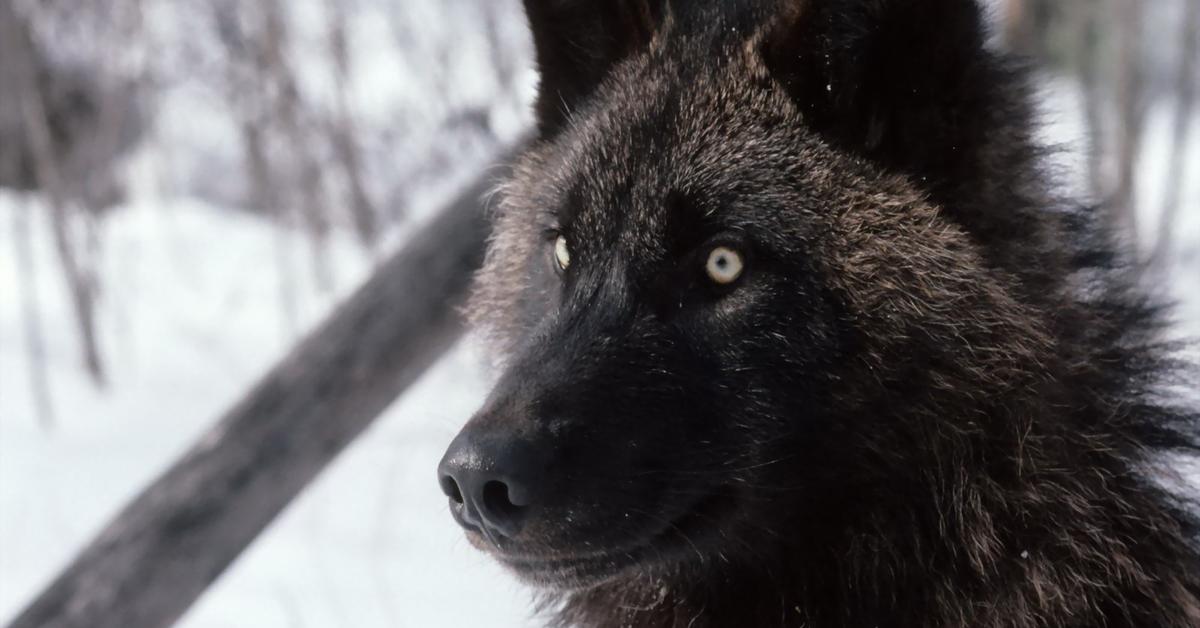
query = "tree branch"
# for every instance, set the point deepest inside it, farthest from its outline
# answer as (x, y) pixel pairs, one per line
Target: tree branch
(181, 533)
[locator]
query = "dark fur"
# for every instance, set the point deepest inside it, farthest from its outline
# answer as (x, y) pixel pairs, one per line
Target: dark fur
(933, 399)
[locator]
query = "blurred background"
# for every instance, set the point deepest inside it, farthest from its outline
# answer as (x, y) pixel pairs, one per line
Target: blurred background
(187, 188)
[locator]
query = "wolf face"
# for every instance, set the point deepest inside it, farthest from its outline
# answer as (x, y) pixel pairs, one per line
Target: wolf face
(769, 292)
(671, 340)
(654, 401)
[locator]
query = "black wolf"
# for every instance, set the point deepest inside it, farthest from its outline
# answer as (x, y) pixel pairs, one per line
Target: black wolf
(794, 333)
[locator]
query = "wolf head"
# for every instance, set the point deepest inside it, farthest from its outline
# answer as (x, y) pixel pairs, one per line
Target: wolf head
(767, 276)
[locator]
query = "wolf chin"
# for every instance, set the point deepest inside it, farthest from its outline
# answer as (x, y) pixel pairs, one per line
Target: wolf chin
(793, 331)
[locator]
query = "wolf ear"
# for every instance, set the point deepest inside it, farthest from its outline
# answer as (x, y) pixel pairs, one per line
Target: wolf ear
(578, 41)
(906, 82)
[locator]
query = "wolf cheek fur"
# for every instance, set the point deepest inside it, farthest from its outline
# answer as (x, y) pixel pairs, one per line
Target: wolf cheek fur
(899, 412)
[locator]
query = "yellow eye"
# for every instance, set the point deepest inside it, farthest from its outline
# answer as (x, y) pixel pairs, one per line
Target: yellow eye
(562, 254)
(724, 265)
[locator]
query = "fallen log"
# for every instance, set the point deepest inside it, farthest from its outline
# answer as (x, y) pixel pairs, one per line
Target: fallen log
(167, 546)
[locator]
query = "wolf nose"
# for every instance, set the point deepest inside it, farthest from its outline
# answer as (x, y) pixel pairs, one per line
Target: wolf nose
(492, 483)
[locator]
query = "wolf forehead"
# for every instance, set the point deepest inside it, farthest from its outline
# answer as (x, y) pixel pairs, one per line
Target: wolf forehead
(663, 143)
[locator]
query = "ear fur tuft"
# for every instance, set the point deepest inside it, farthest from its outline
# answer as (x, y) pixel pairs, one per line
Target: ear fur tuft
(901, 81)
(577, 42)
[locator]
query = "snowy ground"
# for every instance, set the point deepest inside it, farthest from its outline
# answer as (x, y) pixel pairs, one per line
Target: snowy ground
(195, 319)
(192, 316)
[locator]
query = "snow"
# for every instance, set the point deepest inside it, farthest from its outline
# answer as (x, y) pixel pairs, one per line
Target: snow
(193, 311)
(193, 320)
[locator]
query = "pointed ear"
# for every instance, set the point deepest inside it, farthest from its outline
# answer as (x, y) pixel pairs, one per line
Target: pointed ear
(905, 82)
(578, 41)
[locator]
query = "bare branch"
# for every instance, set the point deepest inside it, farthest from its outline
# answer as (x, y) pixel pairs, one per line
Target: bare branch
(344, 135)
(1185, 85)
(1131, 113)
(153, 561)
(81, 283)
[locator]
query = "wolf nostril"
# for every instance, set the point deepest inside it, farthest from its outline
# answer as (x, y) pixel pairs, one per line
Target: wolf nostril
(498, 503)
(450, 488)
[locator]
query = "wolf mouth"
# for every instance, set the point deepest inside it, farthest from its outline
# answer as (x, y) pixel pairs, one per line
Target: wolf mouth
(575, 572)
(675, 540)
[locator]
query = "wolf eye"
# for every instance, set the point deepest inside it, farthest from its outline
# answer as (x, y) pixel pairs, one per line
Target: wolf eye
(562, 254)
(724, 265)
